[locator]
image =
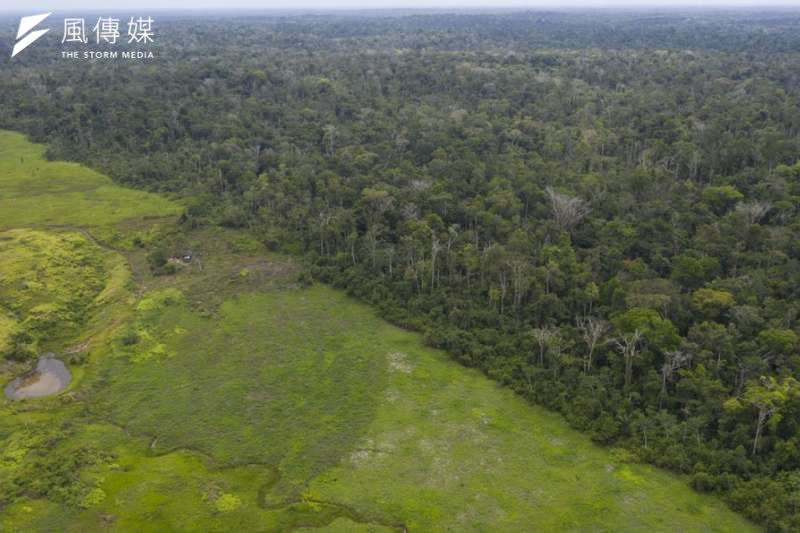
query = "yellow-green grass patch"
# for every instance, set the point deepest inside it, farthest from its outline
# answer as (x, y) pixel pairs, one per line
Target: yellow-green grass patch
(364, 424)
(34, 191)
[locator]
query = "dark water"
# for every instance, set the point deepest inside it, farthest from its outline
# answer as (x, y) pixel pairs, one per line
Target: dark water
(50, 377)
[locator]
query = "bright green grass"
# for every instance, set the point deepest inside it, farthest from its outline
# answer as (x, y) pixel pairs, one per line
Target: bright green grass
(450, 449)
(358, 413)
(275, 378)
(34, 191)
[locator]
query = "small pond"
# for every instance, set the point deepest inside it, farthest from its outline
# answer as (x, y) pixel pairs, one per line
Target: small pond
(50, 377)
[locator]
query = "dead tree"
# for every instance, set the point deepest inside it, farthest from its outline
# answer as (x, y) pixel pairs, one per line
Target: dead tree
(754, 211)
(568, 211)
(673, 361)
(543, 337)
(592, 331)
(519, 269)
(503, 282)
(629, 345)
(555, 351)
(329, 140)
(324, 221)
(376, 203)
(436, 247)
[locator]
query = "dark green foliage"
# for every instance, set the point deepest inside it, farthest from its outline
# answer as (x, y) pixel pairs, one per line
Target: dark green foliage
(157, 259)
(159, 262)
(129, 337)
(305, 279)
(21, 347)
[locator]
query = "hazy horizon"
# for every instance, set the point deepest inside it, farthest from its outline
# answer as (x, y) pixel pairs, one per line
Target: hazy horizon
(194, 5)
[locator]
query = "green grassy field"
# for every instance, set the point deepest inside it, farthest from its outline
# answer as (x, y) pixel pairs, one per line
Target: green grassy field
(227, 396)
(36, 192)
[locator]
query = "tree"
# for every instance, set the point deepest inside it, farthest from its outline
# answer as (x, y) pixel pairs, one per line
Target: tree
(767, 396)
(376, 202)
(519, 268)
(661, 333)
(436, 247)
(629, 347)
(713, 340)
(568, 211)
(753, 211)
(673, 360)
(324, 221)
(329, 140)
(543, 338)
(592, 331)
(712, 303)
(555, 352)
(693, 270)
(721, 198)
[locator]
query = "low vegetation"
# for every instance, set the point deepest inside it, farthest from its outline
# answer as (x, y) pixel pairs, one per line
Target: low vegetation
(49, 284)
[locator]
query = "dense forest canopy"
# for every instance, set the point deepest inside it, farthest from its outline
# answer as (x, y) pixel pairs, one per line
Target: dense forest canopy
(597, 209)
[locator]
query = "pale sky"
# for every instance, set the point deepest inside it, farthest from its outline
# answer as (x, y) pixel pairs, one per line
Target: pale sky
(61, 5)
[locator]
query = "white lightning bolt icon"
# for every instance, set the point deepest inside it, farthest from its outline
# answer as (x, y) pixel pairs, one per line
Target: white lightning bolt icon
(25, 25)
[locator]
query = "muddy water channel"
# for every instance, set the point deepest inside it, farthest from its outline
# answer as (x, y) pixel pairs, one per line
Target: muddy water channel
(50, 377)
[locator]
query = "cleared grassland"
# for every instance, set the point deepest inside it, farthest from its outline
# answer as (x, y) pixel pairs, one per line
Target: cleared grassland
(36, 192)
(226, 397)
